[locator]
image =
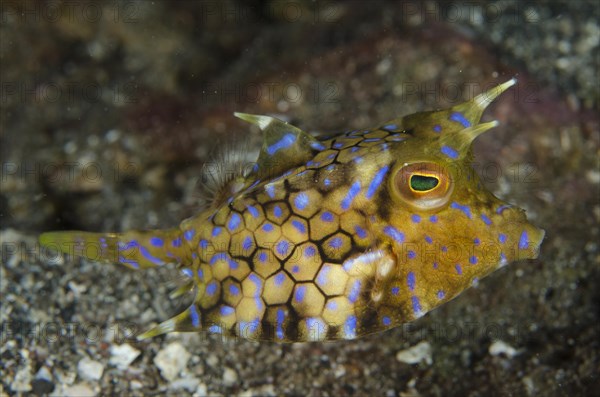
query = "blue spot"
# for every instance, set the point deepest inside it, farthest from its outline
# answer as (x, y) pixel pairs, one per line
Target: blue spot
(299, 225)
(390, 127)
(257, 281)
(270, 189)
(437, 128)
(282, 247)
(277, 211)
(309, 251)
(253, 211)
(433, 219)
(358, 159)
(502, 238)
(486, 220)
(473, 260)
(435, 265)
(295, 269)
(234, 290)
(410, 281)
(523, 240)
(500, 209)
(247, 244)
(279, 279)
(394, 233)
(279, 320)
(332, 305)
(395, 290)
(234, 222)
(360, 232)
(157, 241)
(376, 182)
(352, 193)
(211, 288)
(300, 293)
(249, 327)
(301, 201)
(322, 277)
(216, 231)
(412, 254)
(203, 244)
(262, 257)
(327, 216)
(415, 218)
(267, 227)
(444, 248)
(227, 310)
(194, 316)
(441, 294)
(128, 245)
(476, 241)
(285, 142)
(330, 167)
(129, 262)
(187, 272)
(428, 239)
(458, 269)
(338, 145)
(397, 138)
(371, 140)
(460, 118)
(200, 274)
(449, 151)
(149, 257)
(354, 149)
(464, 208)
(354, 291)
(317, 146)
(215, 329)
(326, 182)
(177, 242)
(416, 305)
(350, 327)
(189, 234)
(220, 256)
(335, 242)
(386, 321)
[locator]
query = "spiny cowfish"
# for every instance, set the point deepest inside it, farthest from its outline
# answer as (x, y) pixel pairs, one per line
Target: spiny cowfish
(333, 238)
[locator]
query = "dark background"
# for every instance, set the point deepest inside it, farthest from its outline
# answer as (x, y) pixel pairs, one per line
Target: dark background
(110, 109)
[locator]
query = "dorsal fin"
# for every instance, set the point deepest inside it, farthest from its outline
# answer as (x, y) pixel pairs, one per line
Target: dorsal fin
(284, 146)
(457, 118)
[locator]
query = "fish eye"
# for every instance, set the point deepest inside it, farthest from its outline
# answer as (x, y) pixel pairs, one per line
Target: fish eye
(423, 186)
(423, 183)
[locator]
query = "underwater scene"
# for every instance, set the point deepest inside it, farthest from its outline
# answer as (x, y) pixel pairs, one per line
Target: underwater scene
(305, 198)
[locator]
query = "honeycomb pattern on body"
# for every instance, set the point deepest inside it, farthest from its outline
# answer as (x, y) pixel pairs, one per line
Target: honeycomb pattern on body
(282, 275)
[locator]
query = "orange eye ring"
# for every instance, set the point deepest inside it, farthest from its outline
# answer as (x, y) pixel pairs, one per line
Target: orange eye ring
(424, 186)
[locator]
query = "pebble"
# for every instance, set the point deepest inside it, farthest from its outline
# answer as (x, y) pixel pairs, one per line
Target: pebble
(121, 356)
(77, 390)
(230, 377)
(22, 381)
(416, 354)
(190, 384)
(88, 369)
(499, 347)
(172, 360)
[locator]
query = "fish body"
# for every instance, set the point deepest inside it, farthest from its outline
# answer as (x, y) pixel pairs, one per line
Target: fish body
(334, 238)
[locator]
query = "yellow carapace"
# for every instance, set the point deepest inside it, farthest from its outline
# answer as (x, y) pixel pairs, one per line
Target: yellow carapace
(333, 238)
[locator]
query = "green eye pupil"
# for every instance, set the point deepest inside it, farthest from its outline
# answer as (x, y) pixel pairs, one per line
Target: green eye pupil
(422, 183)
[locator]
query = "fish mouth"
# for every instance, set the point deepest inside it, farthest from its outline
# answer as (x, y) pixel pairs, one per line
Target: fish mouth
(536, 236)
(527, 241)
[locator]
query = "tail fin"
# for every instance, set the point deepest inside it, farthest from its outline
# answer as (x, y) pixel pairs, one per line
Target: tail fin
(134, 249)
